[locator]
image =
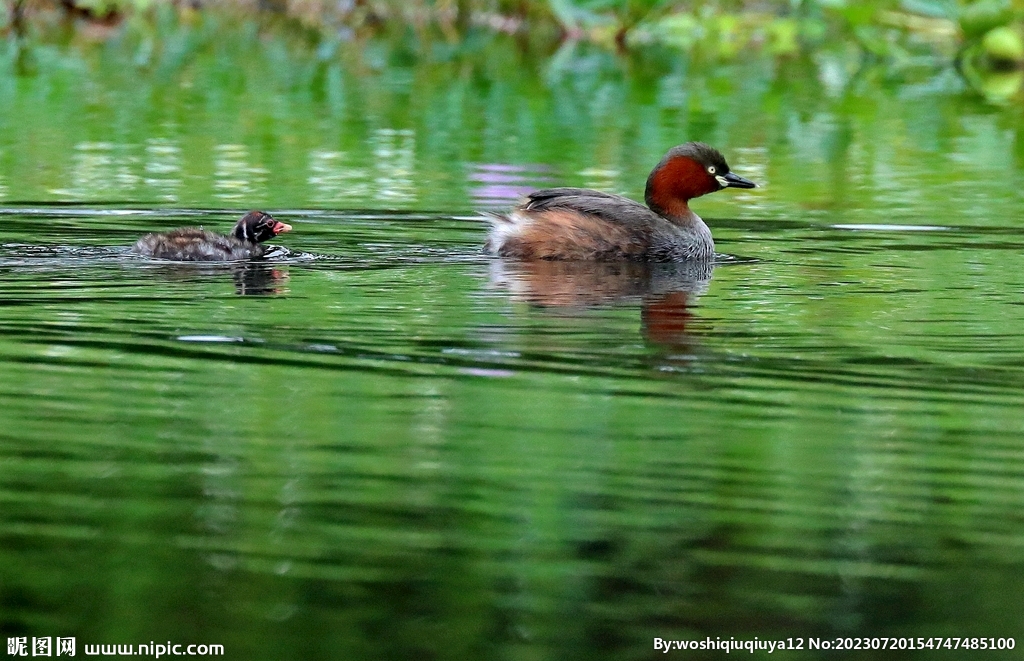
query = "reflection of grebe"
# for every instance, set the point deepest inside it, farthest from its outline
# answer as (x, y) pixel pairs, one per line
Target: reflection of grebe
(192, 244)
(583, 224)
(665, 318)
(665, 291)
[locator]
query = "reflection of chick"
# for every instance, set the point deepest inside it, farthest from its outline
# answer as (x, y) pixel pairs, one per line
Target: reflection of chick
(252, 278)
(256, 279)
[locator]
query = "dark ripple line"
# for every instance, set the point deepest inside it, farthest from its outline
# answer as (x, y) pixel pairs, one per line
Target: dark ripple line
(580, 363)
(954, 382)
(357, 353)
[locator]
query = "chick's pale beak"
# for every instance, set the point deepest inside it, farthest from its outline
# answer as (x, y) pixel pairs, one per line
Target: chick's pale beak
(281, 227)
(730, 180)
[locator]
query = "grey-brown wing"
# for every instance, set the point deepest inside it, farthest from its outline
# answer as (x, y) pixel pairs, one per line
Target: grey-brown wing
(188, 244)
(614, 208)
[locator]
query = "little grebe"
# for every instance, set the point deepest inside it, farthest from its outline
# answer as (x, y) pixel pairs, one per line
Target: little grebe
(193, 244)
(578, 223)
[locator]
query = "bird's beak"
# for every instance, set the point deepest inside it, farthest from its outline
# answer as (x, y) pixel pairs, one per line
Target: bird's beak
(730, 180)
(281, 227)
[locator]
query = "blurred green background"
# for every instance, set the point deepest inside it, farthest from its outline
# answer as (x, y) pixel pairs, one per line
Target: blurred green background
(980, 36)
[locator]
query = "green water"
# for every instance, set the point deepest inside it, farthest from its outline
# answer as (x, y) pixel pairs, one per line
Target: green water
(383, 444)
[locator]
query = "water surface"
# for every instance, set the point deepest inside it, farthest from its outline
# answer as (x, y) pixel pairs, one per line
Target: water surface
(382, 443)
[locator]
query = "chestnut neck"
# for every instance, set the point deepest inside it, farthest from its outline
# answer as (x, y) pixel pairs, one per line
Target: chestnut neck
(673, 183)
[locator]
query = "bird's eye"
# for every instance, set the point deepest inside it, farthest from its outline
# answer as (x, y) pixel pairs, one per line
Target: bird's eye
(711, 169)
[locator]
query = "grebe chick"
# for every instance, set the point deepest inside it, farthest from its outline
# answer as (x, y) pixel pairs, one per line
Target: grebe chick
(584, 224)
(193, 244)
